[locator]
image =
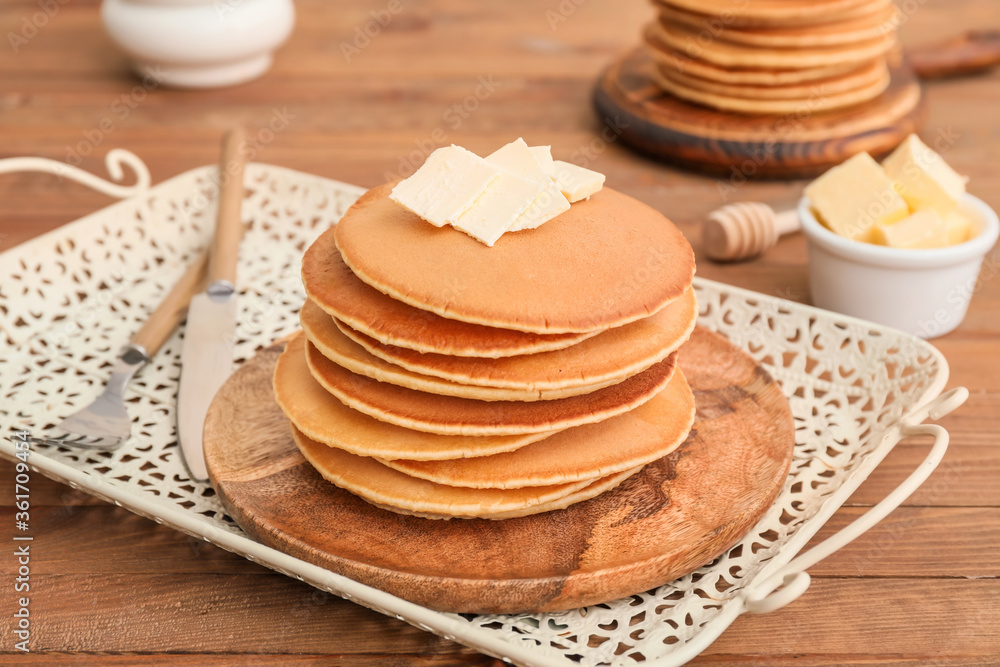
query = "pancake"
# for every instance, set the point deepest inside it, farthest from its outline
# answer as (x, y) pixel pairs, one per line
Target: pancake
(819, 101)
(636, 438)
(609, 357)
(322, 331)
(461, 416)
(325, 419)
(863, 76)
(380, 485)
(685, 40)
(881, 20)
(336, 289)
(592, 490)
(739, 76)
(607, 261)
(778, 12)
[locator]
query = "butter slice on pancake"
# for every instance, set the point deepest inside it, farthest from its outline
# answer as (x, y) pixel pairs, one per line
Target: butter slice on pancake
(609, 357)
(607, 261)
(322, 331)
(388, 488)
(322, 417)
(651, 431)
(449, 415)
(334, 287)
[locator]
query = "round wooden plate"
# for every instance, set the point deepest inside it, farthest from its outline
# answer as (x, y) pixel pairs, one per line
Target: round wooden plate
(746, 146)
(675, 515)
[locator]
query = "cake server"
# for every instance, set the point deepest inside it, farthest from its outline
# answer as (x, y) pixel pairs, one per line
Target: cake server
(209, 337)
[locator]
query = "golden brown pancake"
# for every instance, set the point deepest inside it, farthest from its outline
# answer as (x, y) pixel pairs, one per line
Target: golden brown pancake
(336, 289)
(679, 38)
(820, 100)
(461, 416)
(865, 75)
(839, 30)
(605, 262)
(322, 417)
(592, 490)
(607, 358)
(392, 490)
(744, 76)
(779, 12)
(651, 431)
(322, 331)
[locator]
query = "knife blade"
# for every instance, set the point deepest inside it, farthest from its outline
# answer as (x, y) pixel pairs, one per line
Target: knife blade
(210, 333)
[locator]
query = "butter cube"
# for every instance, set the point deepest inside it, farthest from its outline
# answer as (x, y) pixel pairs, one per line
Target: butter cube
(446, 185)
(856, 196)
(544, 156)
(923, 229)
(958, 226)
(575, 182)
(923, 178)
(517, 158)
(498, 208)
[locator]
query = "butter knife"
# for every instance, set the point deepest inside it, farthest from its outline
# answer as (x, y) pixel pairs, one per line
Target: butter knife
(210, 333)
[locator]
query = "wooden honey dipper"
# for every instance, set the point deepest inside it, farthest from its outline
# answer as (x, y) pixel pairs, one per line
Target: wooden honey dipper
(744, 230)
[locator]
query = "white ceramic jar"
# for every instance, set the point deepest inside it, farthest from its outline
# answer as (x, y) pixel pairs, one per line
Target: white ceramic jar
(199, 43)
(921, 292)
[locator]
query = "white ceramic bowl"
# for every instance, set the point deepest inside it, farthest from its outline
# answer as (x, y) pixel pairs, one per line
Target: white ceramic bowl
(922, 292)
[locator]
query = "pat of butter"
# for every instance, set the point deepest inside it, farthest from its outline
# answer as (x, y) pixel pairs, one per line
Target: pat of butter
(446, 185)
(543, 154)
(517, 158)
(958, 226)
(496, 210)
(575, 182)
(923, 178)
(856, 196)
(923, 229)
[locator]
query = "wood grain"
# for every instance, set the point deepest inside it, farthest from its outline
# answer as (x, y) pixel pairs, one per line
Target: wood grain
(355, 122)
(675, 515)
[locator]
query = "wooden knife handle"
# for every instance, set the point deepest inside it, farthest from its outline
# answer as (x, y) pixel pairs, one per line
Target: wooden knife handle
(225, 247)
(971, 52)
(173, 308)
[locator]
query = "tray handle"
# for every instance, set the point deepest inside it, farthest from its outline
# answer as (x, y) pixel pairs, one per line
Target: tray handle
(792, 580)
(114, 161)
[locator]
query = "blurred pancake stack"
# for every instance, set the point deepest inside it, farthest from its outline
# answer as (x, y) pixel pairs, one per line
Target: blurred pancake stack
(441, 377)
(773, 56)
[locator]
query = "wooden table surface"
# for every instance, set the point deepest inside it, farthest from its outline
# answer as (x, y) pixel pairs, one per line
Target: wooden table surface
(112, 588)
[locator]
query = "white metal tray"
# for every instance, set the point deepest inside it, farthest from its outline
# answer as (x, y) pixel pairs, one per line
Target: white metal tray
(70, 299)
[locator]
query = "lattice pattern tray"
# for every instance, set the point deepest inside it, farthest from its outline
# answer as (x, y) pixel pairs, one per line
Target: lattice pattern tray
(71, 298)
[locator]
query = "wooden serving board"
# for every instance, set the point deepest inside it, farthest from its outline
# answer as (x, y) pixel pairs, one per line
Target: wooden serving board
(675, 515)
(746, 146)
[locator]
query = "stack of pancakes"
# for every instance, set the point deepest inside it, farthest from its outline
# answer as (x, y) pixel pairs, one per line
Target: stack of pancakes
(773, 56)
(441, 377)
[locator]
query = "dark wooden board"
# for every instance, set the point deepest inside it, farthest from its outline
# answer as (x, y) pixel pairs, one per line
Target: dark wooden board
(747, 146)
(675, 515)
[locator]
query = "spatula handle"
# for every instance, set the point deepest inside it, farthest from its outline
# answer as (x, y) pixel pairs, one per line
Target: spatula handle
(225, 247)
(173, 308)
